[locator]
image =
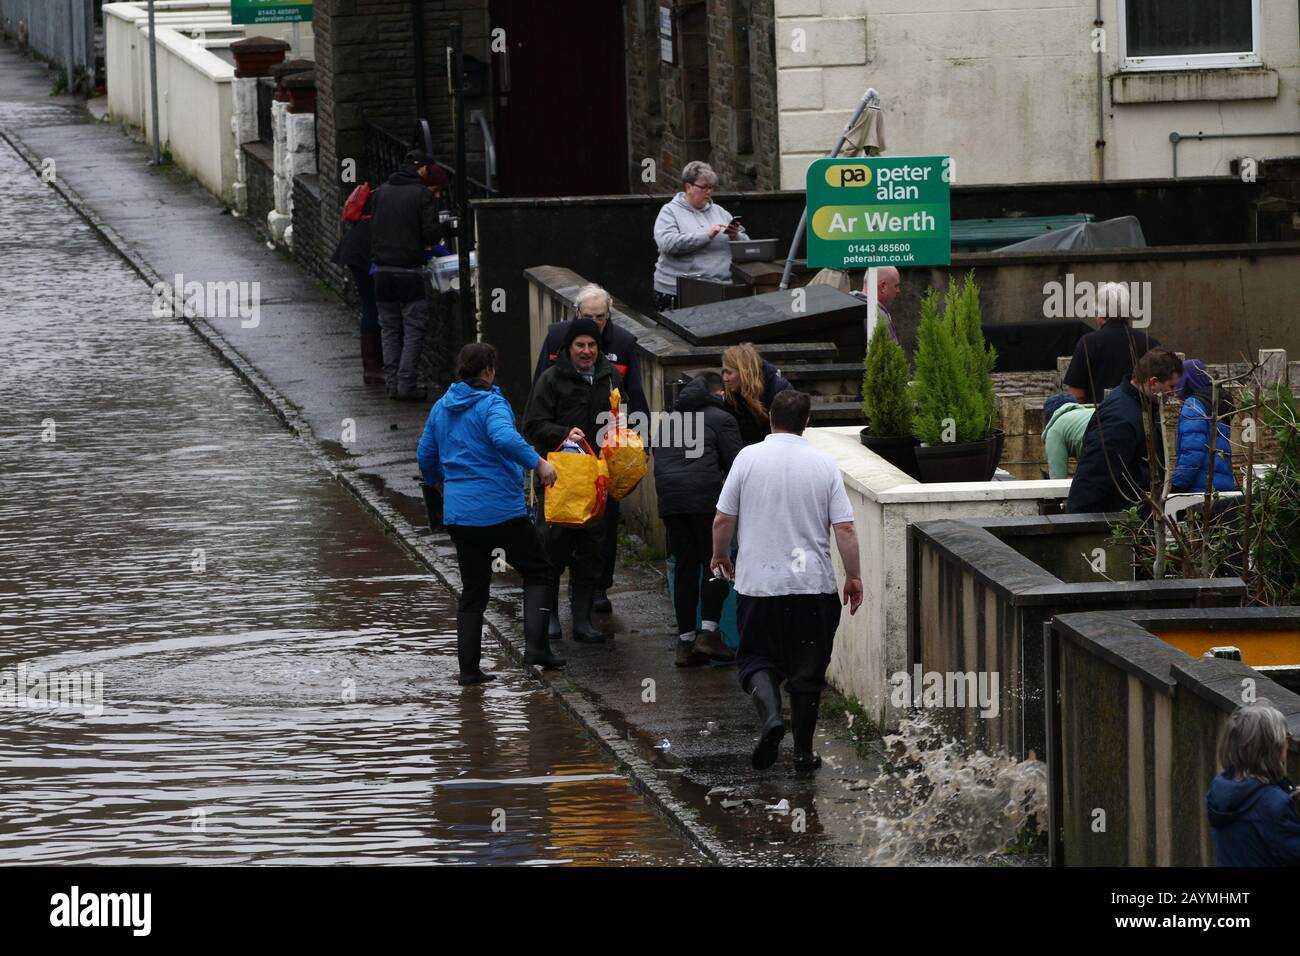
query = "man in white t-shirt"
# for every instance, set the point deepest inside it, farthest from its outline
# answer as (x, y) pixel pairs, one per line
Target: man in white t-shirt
(781, 500)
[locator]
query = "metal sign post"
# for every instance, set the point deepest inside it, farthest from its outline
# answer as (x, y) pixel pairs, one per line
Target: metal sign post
(153, 84)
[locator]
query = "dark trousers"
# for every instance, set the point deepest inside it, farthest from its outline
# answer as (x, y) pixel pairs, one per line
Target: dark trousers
(609, 545)
(566, 547)
(402, 319)
(791, 635)
(690, 541)
(365, 284)
(478, 547)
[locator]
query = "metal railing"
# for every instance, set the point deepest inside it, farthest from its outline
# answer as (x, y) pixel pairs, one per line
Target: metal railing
(384, 152)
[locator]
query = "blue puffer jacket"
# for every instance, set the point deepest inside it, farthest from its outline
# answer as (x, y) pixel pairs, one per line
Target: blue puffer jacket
(1193, 441)
(470, 445)
(1252, 823)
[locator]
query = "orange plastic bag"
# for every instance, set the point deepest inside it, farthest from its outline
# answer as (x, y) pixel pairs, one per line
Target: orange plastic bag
(577, 499)
(623, 451)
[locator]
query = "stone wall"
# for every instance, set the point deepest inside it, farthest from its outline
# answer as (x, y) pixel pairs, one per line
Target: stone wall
(715, 101)
(260, 179)
(313, 245)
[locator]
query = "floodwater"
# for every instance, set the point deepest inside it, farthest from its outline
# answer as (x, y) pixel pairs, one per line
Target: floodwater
(268, 678)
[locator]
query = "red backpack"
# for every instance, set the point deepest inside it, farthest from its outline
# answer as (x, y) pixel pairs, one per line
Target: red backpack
(354, 210)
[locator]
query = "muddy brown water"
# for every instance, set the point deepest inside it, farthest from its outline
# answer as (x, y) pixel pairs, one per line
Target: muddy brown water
(277, 676)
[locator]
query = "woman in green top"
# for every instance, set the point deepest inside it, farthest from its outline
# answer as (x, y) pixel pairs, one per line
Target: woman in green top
(1063, 437)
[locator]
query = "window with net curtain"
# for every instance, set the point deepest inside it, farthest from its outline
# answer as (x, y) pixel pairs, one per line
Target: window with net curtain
(1188, 28)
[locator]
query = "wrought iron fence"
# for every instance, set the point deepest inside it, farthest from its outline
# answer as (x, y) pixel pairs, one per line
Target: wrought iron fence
(384, 152)
(265, 96)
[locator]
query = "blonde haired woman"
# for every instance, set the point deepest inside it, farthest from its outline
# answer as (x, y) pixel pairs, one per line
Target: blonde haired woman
(750, 383)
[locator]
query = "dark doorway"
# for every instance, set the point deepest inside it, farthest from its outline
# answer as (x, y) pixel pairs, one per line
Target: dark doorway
(561, 98)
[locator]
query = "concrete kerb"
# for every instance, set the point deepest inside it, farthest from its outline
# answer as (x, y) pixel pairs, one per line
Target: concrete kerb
(503, 615)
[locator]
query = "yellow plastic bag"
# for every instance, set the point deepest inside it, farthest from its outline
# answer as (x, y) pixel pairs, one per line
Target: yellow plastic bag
(577, 499)
(624, 453)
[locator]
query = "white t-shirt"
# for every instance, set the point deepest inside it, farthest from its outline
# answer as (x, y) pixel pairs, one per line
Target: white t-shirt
(786, 495)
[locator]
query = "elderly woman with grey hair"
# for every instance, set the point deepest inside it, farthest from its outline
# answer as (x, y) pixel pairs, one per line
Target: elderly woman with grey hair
(691, 232)
(1251, 805)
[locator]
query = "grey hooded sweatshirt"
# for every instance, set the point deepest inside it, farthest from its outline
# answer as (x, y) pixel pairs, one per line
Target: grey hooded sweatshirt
(682, 235)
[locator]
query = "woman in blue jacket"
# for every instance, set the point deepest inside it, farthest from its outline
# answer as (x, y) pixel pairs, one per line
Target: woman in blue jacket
(1251, 805)
(1194, 433)
(472, 452)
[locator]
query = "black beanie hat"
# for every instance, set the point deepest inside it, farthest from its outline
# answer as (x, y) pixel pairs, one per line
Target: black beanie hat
(582, 327)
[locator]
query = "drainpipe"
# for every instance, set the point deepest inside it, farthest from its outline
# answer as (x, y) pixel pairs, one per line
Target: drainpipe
(417, 52)
(1175, 138)
(1100, 145)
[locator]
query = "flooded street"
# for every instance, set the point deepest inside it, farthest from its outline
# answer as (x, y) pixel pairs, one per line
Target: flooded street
(277, 674)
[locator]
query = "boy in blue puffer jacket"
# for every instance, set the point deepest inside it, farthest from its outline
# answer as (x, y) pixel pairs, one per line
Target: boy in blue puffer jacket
(471, 450)
(1251, 805)
(1194, 433)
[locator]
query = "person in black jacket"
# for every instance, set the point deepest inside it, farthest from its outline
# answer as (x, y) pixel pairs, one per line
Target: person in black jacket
(619, 346)
(751, 383)
(404, 226)
(693, 452)
(353, 253)
(1114, 473)
(566, 403)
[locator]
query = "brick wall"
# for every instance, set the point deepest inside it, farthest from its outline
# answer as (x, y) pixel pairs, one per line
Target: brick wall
(313, 245)
(715, 101)
(261, 184)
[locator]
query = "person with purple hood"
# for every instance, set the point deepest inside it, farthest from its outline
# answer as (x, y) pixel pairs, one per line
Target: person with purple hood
(1193, 447)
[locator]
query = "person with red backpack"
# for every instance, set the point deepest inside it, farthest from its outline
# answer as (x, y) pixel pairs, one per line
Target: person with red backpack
(353, 253)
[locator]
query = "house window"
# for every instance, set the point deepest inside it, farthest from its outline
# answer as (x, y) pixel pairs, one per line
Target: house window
(1189, 34)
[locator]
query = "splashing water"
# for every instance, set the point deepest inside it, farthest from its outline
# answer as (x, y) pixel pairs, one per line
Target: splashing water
(940, 804)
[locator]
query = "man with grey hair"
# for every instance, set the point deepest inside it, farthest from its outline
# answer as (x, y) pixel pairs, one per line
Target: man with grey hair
(618, 345)
(691, 232)
(1104, 358)
(888, 285)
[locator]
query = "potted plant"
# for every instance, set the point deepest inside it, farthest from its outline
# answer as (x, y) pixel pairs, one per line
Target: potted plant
(956, 408)
(886, 402)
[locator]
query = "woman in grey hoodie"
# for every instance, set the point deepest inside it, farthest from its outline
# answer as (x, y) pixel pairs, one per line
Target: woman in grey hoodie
(692, 232)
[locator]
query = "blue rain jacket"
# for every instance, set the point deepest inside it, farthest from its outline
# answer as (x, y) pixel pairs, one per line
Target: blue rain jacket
(1252, 823)
(1193, 443)
(470, 444)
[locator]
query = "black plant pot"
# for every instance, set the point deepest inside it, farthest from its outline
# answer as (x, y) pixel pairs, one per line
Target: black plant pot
(969, 461)
(898, 450)
(995, 450)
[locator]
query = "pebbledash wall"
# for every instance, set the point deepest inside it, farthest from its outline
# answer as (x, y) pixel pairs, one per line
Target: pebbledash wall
(1013, 90)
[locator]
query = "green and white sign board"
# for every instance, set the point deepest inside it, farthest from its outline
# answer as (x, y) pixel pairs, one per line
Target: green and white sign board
(879, 211)
(270, 11)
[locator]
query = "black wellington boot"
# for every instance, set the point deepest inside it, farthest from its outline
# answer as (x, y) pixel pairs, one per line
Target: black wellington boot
(582, 628)
(767, 701)
(469, 649)
(553, 630)
(537, 647)
(803, 715)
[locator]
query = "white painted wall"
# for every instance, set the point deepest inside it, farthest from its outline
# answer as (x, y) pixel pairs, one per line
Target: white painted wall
(194, 85)
(872, 644)
(1009, 88)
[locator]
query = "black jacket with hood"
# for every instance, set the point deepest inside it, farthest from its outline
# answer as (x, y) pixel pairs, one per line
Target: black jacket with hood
(562, 400)
(1253, 823)
(686, 484)
(616, 344)
(405, 220)
(753, 429)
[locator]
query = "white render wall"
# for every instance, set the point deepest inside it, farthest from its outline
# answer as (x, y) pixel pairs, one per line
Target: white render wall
(1009, 88)
(872, 644)
(194, 85)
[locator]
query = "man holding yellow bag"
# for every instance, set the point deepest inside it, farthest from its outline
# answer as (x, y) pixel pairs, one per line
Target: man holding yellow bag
(565, 405)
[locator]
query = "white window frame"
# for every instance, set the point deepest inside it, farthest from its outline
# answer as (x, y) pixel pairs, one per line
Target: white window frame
(1198, 61)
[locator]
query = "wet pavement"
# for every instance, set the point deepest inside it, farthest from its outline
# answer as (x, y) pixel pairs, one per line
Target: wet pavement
(276, 672)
